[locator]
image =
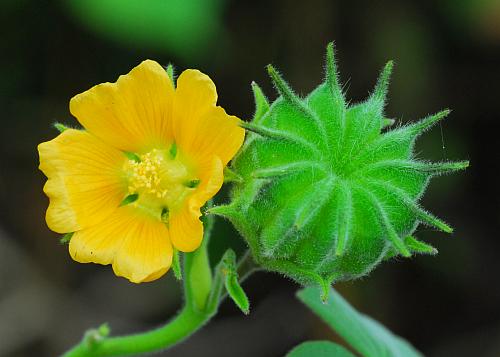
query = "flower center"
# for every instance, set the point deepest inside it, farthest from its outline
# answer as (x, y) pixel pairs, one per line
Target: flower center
(160, 181)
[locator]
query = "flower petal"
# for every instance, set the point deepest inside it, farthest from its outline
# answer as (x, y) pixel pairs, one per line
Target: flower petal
(199, 126)
(211, 180)
(146, 254)
(138, 247)
(132, 113)
(84, 185)
(217, 134)
(195, 94)
(186, 229)
(100, 243)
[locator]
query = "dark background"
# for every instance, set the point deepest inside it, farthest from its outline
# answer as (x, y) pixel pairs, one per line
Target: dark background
(447, 54)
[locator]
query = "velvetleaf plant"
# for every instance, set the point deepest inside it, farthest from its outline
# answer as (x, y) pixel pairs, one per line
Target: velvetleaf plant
(324, 191)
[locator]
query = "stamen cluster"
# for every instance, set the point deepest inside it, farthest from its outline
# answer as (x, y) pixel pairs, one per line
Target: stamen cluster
(145, 174)
(158, 181)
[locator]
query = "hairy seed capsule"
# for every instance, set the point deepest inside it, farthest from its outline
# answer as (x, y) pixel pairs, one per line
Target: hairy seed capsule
(324, 192)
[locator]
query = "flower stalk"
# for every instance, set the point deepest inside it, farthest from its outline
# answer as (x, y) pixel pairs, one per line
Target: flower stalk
(200, 306)
(186, 323)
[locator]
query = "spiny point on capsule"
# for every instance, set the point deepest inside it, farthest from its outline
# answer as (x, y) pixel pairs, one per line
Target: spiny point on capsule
(440, 168)
(431, 220)
(223, 210)
(261, 102)
(382, 85)
(324, 291)
(282, 86)
(426, 123)
(419, 247)
(331, 66)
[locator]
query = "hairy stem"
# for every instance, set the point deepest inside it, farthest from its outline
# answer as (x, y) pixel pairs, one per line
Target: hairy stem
(182, 326)
(186, 323)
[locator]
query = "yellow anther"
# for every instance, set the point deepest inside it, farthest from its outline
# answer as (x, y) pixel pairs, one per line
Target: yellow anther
(145, 175)
(159, 179)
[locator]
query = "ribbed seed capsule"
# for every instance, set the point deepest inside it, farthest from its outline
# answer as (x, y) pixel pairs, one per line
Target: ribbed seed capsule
(325, 193)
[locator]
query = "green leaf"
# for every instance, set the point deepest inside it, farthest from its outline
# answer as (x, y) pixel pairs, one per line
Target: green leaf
(364, 334)
(319, 349)
(232, 284)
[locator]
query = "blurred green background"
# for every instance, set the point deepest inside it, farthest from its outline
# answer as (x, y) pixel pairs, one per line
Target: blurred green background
(447, 54)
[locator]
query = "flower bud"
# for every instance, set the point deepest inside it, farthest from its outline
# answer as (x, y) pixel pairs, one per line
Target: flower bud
(325, 191)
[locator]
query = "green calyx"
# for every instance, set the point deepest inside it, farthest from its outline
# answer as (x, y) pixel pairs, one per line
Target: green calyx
(326, 190)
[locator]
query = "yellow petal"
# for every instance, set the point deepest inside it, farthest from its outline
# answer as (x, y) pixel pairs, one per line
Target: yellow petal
(60, 217)
(217, 134)
(146, 254)
(100, 243)
(186, 229)
(84, 185)
(211, 180)
(201, 128)
(195, 94)
(138, 246)
(131, 114)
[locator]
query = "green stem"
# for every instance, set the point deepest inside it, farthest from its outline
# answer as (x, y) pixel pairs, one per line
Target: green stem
(247, 266)
(183, 325)
(187, 322)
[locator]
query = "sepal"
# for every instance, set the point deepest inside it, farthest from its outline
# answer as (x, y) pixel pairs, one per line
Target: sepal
(231, 282)
(261, 103)
(65, 239)
(60, 127)
(171, 73)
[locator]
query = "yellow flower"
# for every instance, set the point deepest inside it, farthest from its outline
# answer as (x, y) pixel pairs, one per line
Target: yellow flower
(130, 186)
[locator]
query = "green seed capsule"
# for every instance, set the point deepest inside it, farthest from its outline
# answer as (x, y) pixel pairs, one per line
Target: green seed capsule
(325, 194)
